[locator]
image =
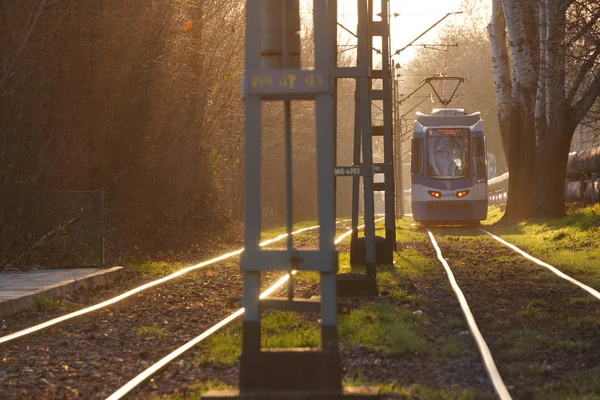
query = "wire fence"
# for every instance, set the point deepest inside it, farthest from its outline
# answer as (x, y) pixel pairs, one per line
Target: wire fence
(52, 229)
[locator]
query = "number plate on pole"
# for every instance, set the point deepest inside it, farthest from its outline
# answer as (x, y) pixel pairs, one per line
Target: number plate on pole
(286, 81)
(360, 170)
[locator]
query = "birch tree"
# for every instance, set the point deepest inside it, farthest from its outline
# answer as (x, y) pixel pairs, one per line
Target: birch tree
(571, 35)
(554, 52)
(500, 63)
(517, 104)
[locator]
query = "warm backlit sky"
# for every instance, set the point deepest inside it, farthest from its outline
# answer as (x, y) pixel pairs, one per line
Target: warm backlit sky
(415, 17)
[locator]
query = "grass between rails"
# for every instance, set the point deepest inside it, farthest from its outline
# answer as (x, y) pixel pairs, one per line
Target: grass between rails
(394, 327)
(195, 391)
(571, 243)
(152, 331)
(542, 330)
(389, 327)
(395, 331)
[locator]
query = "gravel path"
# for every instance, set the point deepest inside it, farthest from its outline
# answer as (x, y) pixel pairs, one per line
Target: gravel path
(91, 356)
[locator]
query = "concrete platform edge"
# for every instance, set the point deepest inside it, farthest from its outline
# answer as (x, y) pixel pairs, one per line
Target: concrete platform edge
(97, 279)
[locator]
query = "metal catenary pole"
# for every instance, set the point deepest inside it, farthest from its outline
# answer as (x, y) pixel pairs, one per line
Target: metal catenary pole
(273, 73)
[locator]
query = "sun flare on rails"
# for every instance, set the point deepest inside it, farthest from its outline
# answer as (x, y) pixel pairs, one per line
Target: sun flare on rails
(146, 286)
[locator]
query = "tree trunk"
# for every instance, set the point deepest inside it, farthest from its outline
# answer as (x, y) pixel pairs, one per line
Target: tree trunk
(501, 65)
(521, 157)
(555, 127)
(524, 44)
(540, 99)
(551, 168)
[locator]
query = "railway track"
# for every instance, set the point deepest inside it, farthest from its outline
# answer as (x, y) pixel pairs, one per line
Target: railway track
(141, 288)
(532, 327)
(126, 333)
(139, 379)
(91, 357)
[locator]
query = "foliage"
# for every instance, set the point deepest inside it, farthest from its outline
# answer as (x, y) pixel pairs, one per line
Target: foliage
(139, 99)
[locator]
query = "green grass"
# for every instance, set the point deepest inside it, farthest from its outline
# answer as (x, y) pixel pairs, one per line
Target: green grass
(420, 392)
(494, 215)
(386, 325)
(153, 268)
(571, 243)
(577, 386)
(383, 328)
(455, 322)
(520, 345)
(198, 389)
(308, 277)
(280, 230)
(223, 349)
(288, 330)
(44, 302)
(344, 262)
(412, 264)
(453, 347)
(279, 330)
(400, 294)
(535, 309)
(529, 370)
(152, 331)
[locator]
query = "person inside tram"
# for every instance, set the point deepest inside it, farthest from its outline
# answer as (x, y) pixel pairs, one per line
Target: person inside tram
(447, 158)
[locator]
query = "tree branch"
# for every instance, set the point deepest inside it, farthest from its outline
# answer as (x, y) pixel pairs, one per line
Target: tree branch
(584, 30)
(587, 100)
(7, 72)
(585, 68)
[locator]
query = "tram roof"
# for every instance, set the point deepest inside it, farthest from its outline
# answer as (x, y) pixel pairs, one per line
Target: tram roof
(446, 120)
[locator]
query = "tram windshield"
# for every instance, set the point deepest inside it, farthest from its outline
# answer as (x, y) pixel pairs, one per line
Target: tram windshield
(448, 153)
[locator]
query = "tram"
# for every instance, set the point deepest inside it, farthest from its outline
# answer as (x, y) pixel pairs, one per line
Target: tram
(449, 168)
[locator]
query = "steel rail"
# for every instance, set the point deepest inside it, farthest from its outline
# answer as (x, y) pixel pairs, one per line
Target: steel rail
(132, 384)
(484, 350)
(556, 271)
(87, 310)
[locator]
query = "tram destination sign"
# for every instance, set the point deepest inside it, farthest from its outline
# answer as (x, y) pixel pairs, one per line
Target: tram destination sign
(447, 131)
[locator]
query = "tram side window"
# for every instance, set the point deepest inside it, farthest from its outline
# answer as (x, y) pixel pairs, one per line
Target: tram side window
(417, 151)
(479, 156)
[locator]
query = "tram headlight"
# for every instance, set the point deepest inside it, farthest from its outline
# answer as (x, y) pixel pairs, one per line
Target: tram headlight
(433, 193)
(462, 193)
